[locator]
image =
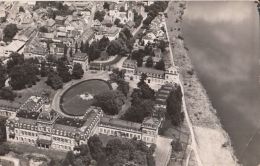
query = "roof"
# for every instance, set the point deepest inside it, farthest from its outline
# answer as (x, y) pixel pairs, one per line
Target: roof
(25, 34)
(79, 56)
(130, 23)
(15, 46)
(120, 123)
(32, 104)
(149, 70)
(59, 18)
(130, 63)
(151, 122)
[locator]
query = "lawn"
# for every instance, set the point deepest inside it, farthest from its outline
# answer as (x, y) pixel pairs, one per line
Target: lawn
(71, 101)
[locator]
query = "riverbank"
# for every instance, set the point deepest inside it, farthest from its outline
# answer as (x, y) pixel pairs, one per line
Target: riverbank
(214, 146)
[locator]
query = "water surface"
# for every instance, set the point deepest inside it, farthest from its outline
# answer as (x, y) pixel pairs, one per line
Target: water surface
(223, 39)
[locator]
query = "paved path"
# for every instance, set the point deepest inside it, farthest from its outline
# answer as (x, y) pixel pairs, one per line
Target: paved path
(163, 151)
(193, 140)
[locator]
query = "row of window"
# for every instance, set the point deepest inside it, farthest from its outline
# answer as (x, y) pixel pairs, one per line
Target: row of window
(63, 147)
(27, 133)
(148, 139)
(119, 133)
(62, 140)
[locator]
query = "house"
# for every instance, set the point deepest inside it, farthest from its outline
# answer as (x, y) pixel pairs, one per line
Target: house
(25, 34)
(111, 32)
(81, 58)
(50, 25)
(60, 20)
(14, 46)
(46, 36)
(130, 25)
(149, 38)
(129, 66)
(35, 48)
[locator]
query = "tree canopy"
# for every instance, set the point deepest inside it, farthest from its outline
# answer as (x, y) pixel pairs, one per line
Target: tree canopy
(110, 101)
(77, 71)
(149, 62)
(9, 32)
(174, 104)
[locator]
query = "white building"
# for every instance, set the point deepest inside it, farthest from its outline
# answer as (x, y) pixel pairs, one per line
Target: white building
(82, 59)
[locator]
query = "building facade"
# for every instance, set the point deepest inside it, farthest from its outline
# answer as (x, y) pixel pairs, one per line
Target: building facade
(36, 124)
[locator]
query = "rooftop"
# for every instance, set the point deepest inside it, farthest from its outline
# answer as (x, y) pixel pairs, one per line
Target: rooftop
(15, 46)
(70, 122)
(120, 123)
(32, 104)
(79, 56)
(149, 70)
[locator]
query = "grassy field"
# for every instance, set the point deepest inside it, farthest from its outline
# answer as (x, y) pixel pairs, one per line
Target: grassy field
(73, 104)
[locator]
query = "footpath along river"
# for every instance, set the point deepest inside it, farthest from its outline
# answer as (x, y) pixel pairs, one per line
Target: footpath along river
(223, 41)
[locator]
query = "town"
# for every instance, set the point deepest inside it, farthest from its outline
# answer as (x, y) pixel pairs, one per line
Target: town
(89, 83)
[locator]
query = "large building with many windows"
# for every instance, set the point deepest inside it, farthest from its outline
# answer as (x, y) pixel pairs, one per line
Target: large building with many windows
(35, 123)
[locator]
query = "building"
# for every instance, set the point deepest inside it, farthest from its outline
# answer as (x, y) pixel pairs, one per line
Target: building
(162, 95)
(37, 124)
(129, 66)
(81, 58)
(35, 48)
(25, 34)
(146, 131)
(14, 46)
(110, 32)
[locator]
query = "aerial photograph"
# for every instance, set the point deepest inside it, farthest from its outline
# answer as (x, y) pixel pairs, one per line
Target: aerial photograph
(129, 83)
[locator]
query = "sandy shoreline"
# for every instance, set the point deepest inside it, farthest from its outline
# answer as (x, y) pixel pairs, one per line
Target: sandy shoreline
(214, 145)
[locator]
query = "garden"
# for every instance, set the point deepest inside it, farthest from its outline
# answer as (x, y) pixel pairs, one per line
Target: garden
(78, 98)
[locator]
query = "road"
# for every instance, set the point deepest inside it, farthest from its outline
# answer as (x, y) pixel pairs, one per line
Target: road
(193, 145)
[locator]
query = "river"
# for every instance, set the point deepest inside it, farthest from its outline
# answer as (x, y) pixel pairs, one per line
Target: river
(223, 41)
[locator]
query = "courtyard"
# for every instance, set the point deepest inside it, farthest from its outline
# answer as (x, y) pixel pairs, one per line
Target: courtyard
(79, 97)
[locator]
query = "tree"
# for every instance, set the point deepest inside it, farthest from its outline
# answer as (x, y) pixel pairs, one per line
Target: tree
(123, 86)
(110, 101)
(43, 29)
(137, 112)
(99, 15)
(15, 59)
(106, 6)
(142, 80)
(65, 50)
(86, 47)
(71, 53)
(122, 9)
(63, 71)
(160, 65)
(69, 159)
(9, 32)
(7, 94)
(162, 45)
(81, 48)
(77, 71)
(76, 47)
(103, 43)
(117, 21)
(174, 103)
(96, 148)
(149, 62)
(21, 9)
(2, 75)
(54, 81)
(22, 75)
(114, 47)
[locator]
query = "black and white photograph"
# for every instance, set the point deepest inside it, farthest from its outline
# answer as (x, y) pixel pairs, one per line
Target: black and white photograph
(130, 83)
